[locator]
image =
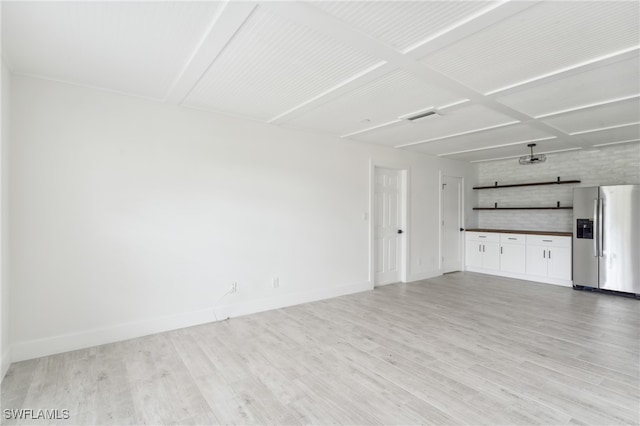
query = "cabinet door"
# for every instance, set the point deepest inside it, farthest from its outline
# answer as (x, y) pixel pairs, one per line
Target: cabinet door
(512, 258)
(473, 254)
(491, 255)
(536, 260)
(559, 259)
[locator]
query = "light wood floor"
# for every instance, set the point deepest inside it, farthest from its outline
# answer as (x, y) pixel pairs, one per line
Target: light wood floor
(459, 349)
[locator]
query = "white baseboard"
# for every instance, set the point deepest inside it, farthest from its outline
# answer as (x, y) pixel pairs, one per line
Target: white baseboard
(24, 350)
(418, 276)
(5, 363)
(290, 299)
(386, 284)
(535, 278)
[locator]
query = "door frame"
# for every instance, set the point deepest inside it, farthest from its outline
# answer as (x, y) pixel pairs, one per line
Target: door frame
(405, 173)
(441, 216)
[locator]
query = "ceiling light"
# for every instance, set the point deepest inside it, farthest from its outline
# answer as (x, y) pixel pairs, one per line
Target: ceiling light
(532, 159)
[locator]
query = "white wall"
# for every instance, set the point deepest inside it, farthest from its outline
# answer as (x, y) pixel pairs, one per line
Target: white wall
(611, 165)
(131, 217)
(5, 349)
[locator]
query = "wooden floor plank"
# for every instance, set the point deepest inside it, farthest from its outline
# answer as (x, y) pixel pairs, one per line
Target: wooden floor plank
(463, 348)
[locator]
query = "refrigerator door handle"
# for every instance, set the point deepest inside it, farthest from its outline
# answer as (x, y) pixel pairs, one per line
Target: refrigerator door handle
(601, 227)
(595, 237)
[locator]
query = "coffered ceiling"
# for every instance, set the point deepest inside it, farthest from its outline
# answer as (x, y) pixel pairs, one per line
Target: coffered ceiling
(497, 74)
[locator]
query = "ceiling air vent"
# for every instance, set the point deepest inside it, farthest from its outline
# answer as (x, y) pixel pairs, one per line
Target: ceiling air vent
(419, 115)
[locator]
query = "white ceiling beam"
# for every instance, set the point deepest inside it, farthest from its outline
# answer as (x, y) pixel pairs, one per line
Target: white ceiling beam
(369, 129)
(367, 76)
(467, 26)
(618, 143)
(602, 61)
(496, 146)
(453, 135)
(401, 120)
(575, 69)
(326, 23)
(453, 104)
(518, 156)
(429, 74)
(220, 32)
(587, 107)
(599, 129)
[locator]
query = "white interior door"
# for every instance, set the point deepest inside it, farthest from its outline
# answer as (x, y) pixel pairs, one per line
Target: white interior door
(451, 224)
(388, 226)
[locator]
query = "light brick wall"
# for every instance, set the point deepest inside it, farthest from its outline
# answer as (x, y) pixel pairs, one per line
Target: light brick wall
(613, 165)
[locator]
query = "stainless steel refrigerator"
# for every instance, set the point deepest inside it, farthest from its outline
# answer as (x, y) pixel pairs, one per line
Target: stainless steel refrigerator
(606, 237)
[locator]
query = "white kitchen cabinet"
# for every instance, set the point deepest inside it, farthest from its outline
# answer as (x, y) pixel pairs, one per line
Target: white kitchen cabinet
(537, 260)
(560, 263)
(473, 256)
(513, 253)
(491, 255)
(531, 257)
(549, 257)
(483, 250)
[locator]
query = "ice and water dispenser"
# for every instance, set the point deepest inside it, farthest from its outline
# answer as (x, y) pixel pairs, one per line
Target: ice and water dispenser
(584, 229)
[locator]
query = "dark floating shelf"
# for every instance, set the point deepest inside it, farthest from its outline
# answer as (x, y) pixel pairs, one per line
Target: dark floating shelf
(553, 182)
(495, 207)
(523, 208)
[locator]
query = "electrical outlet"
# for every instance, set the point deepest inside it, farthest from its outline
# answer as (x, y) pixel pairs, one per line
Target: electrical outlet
(276, 282)
(234, 288)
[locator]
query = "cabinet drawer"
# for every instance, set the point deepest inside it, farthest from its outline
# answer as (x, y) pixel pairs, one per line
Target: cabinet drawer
(549, 241)
(513, 238)
(483, 236)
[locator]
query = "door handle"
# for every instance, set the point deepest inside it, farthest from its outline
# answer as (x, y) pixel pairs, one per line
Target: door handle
(595, 237)
(549, 254)
(544, 254)
(500, 249)
(601, 226)
(400, 231)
